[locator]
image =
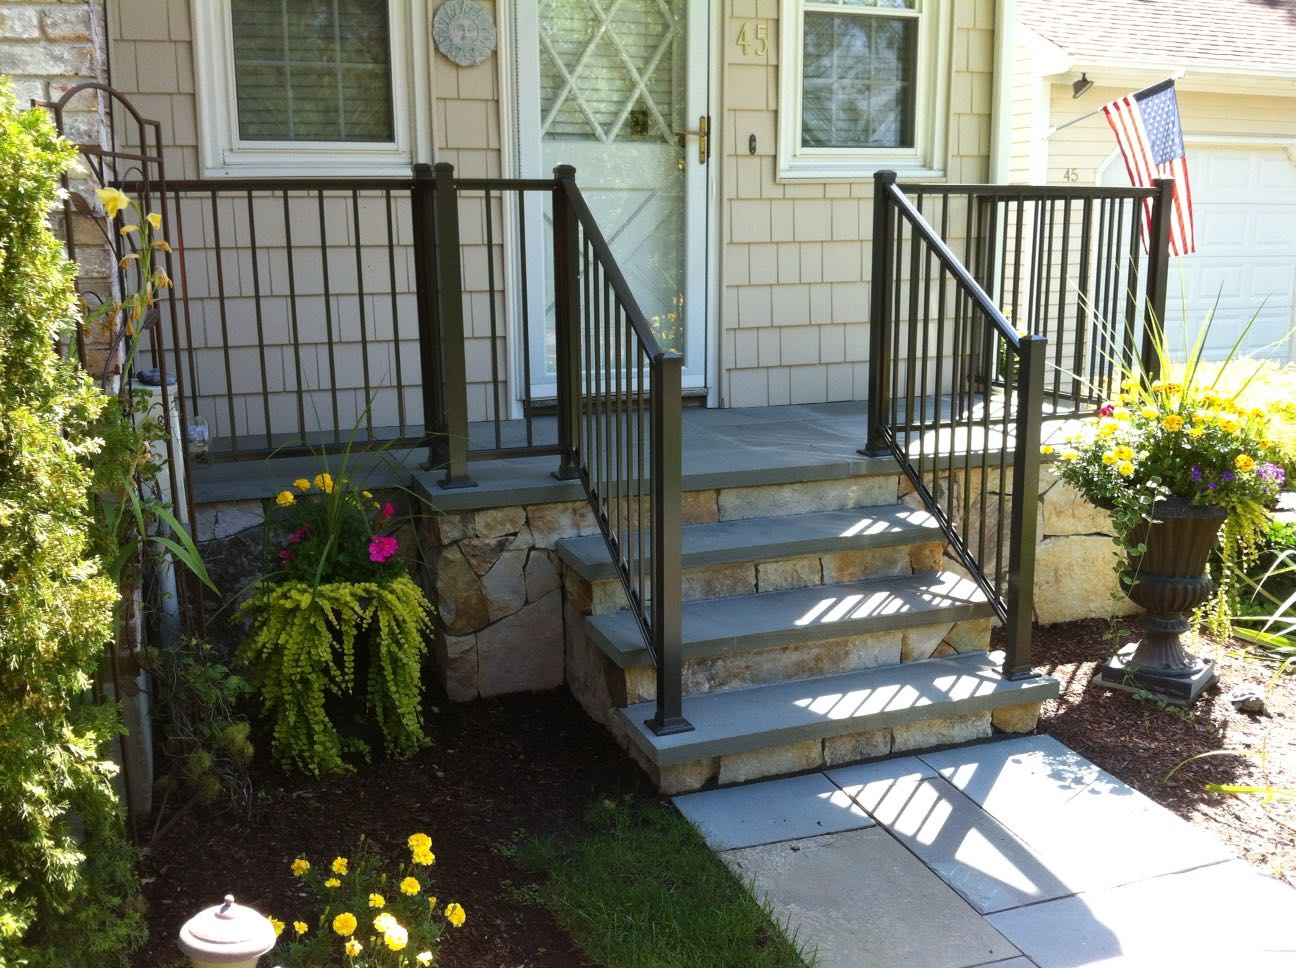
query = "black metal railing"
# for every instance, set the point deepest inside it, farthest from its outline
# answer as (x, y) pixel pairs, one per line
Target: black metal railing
(620, 430)
(997, 308)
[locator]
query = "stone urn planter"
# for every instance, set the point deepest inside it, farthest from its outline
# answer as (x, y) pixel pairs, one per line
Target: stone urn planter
(1170, 581)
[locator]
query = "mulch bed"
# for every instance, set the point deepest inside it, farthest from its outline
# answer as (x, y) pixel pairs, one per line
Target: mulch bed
(1141, 743)
(498, 769)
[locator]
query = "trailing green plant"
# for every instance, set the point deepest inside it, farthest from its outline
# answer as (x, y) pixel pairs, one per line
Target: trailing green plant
(337, 605)
(1180, 439)
(365, 913)
(67, 875)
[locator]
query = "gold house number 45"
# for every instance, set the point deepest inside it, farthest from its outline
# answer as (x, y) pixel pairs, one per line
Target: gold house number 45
(754, 41)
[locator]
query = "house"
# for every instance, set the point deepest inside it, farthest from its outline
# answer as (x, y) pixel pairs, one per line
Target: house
(1235, 64)
(734, 433)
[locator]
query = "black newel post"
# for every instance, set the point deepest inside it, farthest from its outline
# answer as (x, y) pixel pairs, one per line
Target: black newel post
(879, 378)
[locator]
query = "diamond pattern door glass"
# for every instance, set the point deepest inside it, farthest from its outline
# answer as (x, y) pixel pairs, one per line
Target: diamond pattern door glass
(612, 97)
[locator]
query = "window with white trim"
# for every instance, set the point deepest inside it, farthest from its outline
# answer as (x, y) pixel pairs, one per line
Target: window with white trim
(862, 87)
(316, 84)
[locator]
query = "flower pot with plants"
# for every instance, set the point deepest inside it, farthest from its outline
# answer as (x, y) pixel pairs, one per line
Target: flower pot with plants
(1180, 465)
(337, 636)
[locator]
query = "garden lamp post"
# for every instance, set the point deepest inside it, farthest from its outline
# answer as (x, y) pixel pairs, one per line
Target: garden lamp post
(227, 935)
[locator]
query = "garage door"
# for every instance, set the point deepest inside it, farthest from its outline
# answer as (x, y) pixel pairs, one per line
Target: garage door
(1245, 205)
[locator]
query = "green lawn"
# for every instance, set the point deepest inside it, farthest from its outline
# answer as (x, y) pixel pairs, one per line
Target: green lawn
(640, 889)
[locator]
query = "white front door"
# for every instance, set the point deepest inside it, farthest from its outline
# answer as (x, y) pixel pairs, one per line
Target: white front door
(613, 88)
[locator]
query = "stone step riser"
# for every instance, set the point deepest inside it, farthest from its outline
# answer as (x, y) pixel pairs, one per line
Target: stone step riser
(747, 578)
(812, 754)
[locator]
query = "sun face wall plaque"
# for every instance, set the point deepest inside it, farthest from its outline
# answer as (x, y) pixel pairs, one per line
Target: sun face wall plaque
(464, 32)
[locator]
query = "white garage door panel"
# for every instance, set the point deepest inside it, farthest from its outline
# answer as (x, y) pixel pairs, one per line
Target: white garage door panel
(1245, 204)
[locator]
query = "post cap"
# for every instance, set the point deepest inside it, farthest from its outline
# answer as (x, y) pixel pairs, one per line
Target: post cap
(226, 934)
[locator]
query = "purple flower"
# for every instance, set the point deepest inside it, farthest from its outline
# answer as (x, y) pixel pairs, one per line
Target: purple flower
(1226, 477)
(1195, 474)
(1212, 486)
(1271, 472)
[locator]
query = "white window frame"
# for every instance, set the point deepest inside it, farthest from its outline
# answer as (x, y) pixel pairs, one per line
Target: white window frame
(222, 153)
(927, 157)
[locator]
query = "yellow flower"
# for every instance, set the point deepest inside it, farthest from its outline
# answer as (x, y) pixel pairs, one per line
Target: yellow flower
(277, 925)
(1244, 463)
(376, 901)
(1229, 425)
(1109, 458)
(432, 903)
(454, 913)
(324, 482)
(423, 958)
(1149, 412)
(368, 494)
(285, 498)
(1125, 468)
(1195, 432)
(1121, 413)
(154, 219)
(128, 229)
(300, 866)
(113, 200)
(1070, 455)
(384, 922)
(1171, 387)
(302, 484)
(339, 865)
(353, 948)
(396, 937)
(1157, 386)
(419, 842)
(1201, 417)
(1172, 422)
(332, 882)
(344, 924)
(1107, 426)
(300, 927)
(1130, 384)
(1259, 413)
(1124, 452)
(1046, 449)
(409, 886)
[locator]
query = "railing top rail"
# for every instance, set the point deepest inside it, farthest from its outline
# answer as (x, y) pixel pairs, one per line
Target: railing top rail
(505, 184)
(1031, 191)
(243, 185)
(954, 266)
(613, 271)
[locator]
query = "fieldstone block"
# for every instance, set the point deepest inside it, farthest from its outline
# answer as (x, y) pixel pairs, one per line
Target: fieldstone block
(449, 528)
(921, 642)
(1074, 579)
(592, 678)
(768, 500)
(684, 777)
(972, 635)
(772, 576)
(926, 733)
(1066, 512)
(482, 553)
(1020, 718)
(551, 522)
(875, 743)
(20, 23)
(457, 657)
(720, 581)
(700, 507)
(499, 521)
(505, 585)
(754, 764)
(843, 566)
(524, 651)
(541, 575)
(461, 602)
(926, 557)
(523, 539)
(607, 596)
(65, 24)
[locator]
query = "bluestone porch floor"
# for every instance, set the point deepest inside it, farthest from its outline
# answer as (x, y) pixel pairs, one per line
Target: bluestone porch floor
(721, 447)
(1011, 853)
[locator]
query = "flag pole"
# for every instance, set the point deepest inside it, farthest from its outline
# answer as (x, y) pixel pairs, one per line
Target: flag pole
(1085, 117)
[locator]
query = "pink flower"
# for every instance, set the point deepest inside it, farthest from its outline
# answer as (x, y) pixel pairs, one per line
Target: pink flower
(1106, 410)
(300, 533)
(388, 510)
(381, 548)
(286, 555)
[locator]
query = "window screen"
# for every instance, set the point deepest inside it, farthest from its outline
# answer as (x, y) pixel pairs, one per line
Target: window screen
(313, 70)
(858, 80)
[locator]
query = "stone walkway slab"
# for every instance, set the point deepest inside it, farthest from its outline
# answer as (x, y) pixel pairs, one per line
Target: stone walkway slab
(860, 900)
(763, 813)
(1226, 914)
(1089, 828)
(954, 837)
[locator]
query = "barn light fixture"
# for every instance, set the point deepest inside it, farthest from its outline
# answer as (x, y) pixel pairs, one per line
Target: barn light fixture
(1081, 86)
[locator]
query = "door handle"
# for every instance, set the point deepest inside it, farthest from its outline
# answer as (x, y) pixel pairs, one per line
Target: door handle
(701, 132)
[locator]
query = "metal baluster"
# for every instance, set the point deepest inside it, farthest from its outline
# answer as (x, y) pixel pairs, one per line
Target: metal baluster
(332, 389)
(395, 314)
(360, 300)
(224, 320)
(260, 327)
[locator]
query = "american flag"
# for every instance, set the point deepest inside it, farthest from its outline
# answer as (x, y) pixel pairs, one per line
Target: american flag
(1151, 142)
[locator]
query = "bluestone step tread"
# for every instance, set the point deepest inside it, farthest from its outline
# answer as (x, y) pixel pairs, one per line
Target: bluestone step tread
(716, 626)
(762, 717)
(772, 538)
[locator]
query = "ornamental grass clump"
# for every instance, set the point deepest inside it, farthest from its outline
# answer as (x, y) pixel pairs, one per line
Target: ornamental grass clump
(337, 615)
(362, 914)
(1181, 440)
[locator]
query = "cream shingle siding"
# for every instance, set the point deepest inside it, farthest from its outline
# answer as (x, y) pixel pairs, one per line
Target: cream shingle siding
(797, 255)
(794, 260)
